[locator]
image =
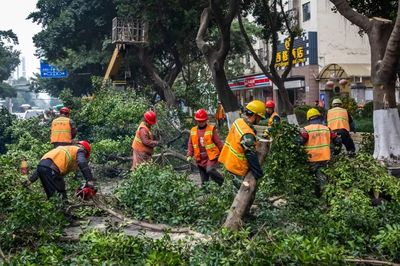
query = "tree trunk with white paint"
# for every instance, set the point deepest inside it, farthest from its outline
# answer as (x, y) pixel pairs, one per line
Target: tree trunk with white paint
(384, 39)
(216, 57)
(246, 194)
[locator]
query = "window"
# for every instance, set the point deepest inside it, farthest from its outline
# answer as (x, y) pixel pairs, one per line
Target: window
(306, 11)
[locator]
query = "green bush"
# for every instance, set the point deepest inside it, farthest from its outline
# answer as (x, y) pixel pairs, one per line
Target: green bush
(286, 167)
(368, 110)
(161, 195)
(388, 241)
(364, 125)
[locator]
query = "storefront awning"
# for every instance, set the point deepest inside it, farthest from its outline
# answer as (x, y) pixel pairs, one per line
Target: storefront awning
(339, 71)
(250, 82)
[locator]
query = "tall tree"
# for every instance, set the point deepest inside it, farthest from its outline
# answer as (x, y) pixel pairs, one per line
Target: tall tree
(172, 29)
(76, 35)
(272, 17)
(215, 51)
(384, 39)
(9, 60)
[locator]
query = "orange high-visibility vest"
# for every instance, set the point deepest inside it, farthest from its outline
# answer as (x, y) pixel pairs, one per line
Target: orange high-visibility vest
(64, 157)
(61, 130)
(220, 113)
(318, 144)
(209, 145)
(271, 119)
(232, 154)
(338, 118)
(137, 144)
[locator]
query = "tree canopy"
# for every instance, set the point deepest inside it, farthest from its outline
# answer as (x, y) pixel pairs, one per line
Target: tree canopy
(9, 60)
(76, 35)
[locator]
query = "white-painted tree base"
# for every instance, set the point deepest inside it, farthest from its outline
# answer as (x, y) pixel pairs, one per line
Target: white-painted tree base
(387, 135)
(292, 119)
(231, 117)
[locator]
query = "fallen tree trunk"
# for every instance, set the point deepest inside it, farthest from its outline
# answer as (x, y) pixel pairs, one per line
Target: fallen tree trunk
(371, 262)
(246, 194)
(152, 227)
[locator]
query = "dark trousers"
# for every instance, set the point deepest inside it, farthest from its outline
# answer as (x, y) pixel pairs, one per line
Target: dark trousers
(207, 172)
(346, 139)
(52, 181)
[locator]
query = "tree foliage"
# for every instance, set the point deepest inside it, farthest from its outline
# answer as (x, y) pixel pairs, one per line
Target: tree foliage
(9, 60)
(76, 35)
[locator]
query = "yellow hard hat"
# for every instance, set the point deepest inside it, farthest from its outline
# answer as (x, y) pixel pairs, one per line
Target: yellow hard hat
(257, 107)
(312, 113)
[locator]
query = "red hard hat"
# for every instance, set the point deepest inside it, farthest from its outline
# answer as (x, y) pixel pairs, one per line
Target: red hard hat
(65, 110)
(86, 146)
(150, 117)
(270, 104)
(200, 115)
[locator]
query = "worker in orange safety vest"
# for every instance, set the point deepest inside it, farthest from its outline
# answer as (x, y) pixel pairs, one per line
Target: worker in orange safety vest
(57, 163)
(316, 139)
(220, 115)
(144, 143)
(63, 129)
(238, 154)
(341, 122)
(204, 147)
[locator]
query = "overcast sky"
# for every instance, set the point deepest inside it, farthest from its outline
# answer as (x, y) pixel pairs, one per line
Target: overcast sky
(13, 16)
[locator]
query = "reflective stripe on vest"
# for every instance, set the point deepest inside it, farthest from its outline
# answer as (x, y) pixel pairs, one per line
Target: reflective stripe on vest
(211, 149)
(338, 118)
(64, 157)
(318, 144)
(232, 154)
(137, 143)
(61, 130)
(271, 119)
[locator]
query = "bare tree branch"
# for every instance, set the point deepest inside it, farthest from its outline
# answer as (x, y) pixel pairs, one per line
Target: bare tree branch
(288, 68)
(353, 16)
(146, 61)
(200, 38)
(252, 51)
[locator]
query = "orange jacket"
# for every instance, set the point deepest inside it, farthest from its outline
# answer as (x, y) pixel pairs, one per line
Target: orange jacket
(338, 118)
(220, 113)
(232, 155)
(137, 143)
(211, 148)
(61, 130)
(64, 157)
(318, 144)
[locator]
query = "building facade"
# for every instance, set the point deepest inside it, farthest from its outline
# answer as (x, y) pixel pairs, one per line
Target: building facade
(330, 51)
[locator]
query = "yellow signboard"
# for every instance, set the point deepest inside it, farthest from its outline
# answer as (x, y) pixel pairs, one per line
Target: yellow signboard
(282, 57)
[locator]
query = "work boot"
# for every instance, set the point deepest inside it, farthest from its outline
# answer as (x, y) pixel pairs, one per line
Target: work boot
(351, 154)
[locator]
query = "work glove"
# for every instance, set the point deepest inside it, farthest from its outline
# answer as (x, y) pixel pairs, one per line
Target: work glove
(26, 183)
(266, 134)
(190, 159)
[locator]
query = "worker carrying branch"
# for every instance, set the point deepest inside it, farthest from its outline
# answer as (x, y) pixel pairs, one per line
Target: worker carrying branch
(238, 154)
(204, 147)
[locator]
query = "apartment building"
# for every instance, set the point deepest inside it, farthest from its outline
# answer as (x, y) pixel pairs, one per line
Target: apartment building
(331, 58)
